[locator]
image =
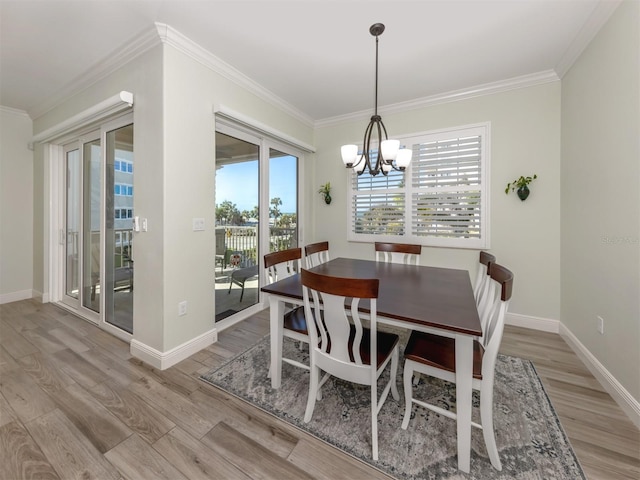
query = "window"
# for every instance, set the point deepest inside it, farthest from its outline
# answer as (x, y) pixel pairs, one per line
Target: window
(122, 189)
(440, 200)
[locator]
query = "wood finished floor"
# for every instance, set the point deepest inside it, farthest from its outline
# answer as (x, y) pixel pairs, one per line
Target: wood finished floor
(75, 404)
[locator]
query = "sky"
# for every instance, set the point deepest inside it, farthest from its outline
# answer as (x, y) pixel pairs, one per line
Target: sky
(238, 183)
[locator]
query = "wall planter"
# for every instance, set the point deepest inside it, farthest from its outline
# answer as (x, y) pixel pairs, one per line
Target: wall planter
(521, 185)
(325, 190)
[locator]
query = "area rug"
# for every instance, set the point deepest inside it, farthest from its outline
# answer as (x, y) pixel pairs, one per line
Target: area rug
(530, 439)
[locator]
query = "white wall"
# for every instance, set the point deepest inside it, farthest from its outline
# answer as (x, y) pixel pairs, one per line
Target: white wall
(174, 145)
(16, 206)
(601, 196)
(525, 236)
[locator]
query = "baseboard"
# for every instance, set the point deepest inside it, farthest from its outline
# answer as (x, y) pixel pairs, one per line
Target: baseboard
(164, 360)
(16, 296)
(534, 323)
(622, 397)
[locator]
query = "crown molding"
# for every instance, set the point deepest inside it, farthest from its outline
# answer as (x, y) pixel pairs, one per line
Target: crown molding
(171, 36)
(447, 97)
(596, 21)
(114, 61)
(14, 111)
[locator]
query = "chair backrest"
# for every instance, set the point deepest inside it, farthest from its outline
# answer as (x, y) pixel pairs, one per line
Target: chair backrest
(398, 253)
(282, 264)
(482, 276)
(500, 287)
(335, 342)
(316, 253)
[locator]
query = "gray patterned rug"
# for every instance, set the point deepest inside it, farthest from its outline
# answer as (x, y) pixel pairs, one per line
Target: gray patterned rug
(530, 439)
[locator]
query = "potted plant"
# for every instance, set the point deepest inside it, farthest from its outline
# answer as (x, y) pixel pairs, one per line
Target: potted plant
(522, 185)
(326, 191)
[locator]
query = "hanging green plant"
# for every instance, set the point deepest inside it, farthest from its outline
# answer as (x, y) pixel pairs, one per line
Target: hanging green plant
(326, 191)
(521, 184)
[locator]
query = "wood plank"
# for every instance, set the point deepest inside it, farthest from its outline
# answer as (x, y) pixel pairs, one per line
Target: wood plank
(172, 378)
(246, 419)
(26, 398)
(114, 368)
(44, 340)
(249, 456)
(322, 459)
(103, 429)
(134, 412)
(79, 369)
(110, 343)
(178, 408)
(136, 459)
(7, 362)
(7, 415)
(41, 368)
(68, 450)
(17, 345)
(21, 457)
(195, 460)
(69, 339)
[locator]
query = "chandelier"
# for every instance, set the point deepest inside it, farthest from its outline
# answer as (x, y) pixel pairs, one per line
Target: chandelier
(388, 150)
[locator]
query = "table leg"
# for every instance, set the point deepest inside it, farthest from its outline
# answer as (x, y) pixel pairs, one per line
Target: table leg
(276, 318)
(464, 377)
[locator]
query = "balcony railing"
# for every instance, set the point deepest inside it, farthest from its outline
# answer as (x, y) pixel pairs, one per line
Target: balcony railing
(243, 241)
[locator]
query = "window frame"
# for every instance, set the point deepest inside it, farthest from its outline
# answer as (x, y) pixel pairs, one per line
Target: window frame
(482, 129)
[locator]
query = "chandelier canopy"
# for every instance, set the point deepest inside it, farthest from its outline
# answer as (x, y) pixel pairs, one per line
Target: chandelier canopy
(388, 151)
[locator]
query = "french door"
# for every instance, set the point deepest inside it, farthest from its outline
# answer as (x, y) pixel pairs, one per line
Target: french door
(96, 229)
(257, 205)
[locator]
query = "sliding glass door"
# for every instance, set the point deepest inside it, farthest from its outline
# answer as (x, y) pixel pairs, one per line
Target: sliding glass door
(97, 226)
(256, 205)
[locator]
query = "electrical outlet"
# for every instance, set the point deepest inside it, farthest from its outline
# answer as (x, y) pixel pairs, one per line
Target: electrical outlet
(198, 224)
(600, 325)
(182, 308)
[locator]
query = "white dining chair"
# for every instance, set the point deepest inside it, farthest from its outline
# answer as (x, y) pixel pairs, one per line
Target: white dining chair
(434, 355)
(398, 253)
(481, 289)
(341, 346)
(278, 266)
(316, 253)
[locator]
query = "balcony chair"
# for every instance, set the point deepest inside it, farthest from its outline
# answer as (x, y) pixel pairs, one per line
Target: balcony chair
(341, 346)
(434, 355)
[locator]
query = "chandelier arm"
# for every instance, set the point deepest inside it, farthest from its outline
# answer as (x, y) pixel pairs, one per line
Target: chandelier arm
(365, 149)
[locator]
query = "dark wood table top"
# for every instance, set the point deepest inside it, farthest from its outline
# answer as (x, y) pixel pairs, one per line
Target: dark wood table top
(430, 296)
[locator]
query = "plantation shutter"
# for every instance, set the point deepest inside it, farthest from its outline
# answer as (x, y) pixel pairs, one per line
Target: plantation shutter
(446, 200)
(378, 204)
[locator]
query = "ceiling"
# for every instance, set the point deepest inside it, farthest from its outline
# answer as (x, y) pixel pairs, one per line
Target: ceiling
(315, 55)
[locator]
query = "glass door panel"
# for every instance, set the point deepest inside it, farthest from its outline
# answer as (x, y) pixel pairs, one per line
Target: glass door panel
(91, 225)
(118, 259)
(283, 200)
(72, 223)
(237, 224)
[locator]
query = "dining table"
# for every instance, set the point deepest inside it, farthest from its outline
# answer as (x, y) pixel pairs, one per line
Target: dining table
(414, 297)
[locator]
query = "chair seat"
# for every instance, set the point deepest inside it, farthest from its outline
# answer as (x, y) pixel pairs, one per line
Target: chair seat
(296, 321)
(439, 352)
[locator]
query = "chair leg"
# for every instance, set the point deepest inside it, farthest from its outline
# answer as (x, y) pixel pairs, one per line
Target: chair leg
(374, 421)
(486, 418)
(408, 393)
(313, 393)
(394, 374)
(242, 292)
